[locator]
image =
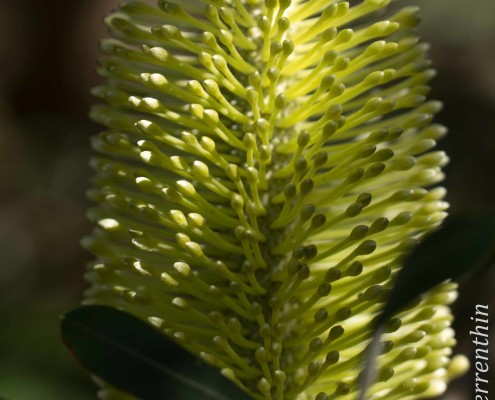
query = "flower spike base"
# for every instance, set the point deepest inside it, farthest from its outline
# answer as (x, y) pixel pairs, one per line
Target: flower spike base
(265, 167)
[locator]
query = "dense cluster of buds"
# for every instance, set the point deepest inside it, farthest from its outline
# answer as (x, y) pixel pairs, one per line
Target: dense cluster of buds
(265, 167)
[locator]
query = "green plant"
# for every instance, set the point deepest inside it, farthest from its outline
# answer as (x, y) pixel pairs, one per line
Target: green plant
(266, 167)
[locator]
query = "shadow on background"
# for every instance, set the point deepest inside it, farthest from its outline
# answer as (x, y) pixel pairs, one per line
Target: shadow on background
(47, 58)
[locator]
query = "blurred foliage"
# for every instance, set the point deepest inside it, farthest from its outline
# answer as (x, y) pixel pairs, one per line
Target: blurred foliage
(48, 51)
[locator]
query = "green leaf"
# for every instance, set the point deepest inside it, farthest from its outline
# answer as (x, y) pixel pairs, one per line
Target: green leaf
(465, 243)
(134, 357)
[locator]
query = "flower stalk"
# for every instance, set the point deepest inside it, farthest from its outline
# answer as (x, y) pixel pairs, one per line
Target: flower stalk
(266, 166)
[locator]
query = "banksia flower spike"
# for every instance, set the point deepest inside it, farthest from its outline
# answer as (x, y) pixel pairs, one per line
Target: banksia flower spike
(265, 167)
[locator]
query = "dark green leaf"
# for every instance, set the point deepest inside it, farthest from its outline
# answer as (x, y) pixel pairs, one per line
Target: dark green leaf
(132, 356)
(465, 243)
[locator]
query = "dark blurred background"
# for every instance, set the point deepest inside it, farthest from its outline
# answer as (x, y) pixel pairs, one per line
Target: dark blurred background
(48, 51)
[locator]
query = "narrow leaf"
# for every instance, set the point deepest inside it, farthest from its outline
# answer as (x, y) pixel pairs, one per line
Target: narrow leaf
(465, 243)
(136, 358)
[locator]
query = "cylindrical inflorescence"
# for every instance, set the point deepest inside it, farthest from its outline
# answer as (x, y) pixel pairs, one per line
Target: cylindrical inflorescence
(265, 167)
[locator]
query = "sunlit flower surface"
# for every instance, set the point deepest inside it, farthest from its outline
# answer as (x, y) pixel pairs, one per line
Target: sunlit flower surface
(266, 165)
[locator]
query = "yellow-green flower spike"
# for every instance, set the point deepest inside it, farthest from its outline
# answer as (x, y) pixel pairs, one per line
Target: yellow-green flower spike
(266, 165)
